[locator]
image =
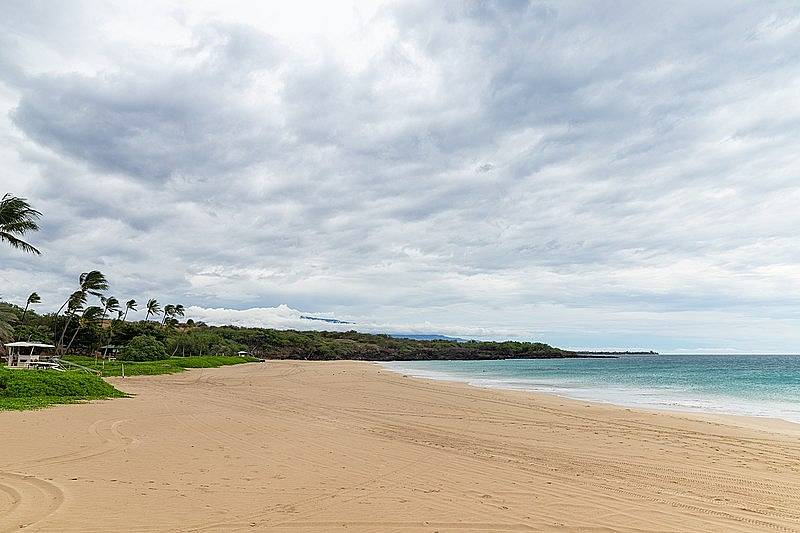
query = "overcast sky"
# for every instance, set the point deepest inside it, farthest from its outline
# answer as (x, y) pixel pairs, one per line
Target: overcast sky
(591, 175)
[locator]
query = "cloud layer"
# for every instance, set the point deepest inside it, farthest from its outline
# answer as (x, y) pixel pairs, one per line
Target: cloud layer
(593, 175)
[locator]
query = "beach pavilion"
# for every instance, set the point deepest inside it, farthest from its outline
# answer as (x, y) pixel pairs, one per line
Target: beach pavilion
(110, 351)
(26, 354)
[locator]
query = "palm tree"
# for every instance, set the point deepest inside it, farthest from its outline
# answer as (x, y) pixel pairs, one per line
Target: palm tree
(32, 299)
(89, 316)
(92, 282)
(75, 305)
(17, 218)
(152, 308)
(169, 311)
(109, 304)
(6, 319)
(130, 305)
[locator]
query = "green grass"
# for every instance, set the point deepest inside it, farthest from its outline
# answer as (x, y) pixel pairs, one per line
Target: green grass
(33, 389)
(151, 368)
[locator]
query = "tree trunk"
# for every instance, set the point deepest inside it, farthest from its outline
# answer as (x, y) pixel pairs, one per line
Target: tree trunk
(55, 322)
(63, 333)
(73, 338)
(25, 312)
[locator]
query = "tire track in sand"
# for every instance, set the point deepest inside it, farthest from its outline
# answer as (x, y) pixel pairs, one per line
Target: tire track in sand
(111, 440)
(26, 500)
(32, 500)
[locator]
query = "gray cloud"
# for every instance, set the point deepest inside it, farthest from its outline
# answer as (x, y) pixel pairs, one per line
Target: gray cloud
(519, 169)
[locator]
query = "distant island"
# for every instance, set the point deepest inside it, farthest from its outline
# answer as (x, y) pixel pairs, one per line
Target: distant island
(597, 352)
(328, 320)
(417, 337)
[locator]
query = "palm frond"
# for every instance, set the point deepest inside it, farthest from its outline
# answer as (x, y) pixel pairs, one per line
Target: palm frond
(19, 244)
(17, 218)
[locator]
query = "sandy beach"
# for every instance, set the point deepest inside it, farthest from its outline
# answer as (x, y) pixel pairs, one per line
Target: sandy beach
(301, 446)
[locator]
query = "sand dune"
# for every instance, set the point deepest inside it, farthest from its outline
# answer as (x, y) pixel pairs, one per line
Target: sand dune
(300, 446)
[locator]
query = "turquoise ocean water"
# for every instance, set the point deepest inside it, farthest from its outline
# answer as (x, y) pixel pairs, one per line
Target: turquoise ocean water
(753, 385)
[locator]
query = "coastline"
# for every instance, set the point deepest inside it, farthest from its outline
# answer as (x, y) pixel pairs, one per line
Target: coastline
(315, 446)
(755, 422)
(660, 399)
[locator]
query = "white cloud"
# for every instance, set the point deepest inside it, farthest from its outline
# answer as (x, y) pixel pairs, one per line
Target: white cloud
(588, 175)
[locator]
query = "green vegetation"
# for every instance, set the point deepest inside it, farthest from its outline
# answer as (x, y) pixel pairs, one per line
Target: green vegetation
(328, 345)
(151, 368)
(31, 389)
(143, 348)
(17, 218)
(86, 334)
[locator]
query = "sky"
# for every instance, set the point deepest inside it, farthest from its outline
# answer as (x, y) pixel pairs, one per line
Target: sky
(616, 175)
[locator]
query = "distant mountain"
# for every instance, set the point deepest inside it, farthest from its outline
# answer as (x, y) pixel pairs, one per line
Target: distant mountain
(426, 337)
(328, 320)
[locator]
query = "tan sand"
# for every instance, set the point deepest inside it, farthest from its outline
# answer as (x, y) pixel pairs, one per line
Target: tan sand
(300, 446)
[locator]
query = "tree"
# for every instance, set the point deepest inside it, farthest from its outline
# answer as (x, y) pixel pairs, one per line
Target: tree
(109, 304)
(32, 299)
(143, 348)
(130, 305)
(7, 318)
(75, 305)
(169, 312)
(93, 282)
(89, 283)
(17, 218)
(90, 316)
(152, 308)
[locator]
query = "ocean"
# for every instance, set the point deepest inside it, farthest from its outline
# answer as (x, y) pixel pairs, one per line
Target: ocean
(752, 385)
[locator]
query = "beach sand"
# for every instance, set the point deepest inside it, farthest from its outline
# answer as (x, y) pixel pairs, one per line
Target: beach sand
(309, 446)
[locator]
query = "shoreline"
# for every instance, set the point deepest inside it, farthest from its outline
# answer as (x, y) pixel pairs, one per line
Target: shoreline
(316, 446)
(748, 419)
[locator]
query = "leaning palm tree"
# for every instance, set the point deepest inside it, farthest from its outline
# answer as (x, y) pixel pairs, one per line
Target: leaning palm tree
(169, 312)
(74, 306)
(91, 315)
(109, 304)
(32, 299)
(89, 283)
(17, 218)
(130, 305)
(152, 308)
(93, 282)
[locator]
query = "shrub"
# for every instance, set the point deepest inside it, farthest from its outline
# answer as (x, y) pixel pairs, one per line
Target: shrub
(143, 348)
(32, 389)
